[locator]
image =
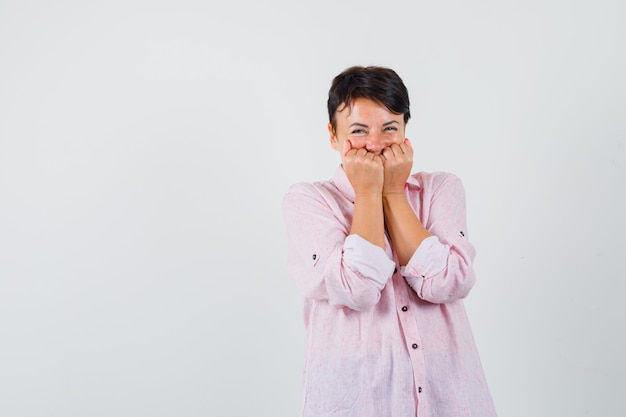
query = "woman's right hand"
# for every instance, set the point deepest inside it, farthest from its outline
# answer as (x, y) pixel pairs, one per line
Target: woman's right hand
(364, 170)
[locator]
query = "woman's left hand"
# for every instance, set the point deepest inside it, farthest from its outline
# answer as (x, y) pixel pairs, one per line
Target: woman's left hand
(397, 162)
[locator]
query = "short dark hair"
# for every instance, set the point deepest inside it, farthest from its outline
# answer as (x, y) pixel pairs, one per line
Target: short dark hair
(379, 84)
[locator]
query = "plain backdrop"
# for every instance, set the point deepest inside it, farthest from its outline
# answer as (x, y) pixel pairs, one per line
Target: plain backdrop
(145, 147)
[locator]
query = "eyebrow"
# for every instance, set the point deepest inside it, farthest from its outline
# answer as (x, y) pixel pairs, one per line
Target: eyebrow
(364, 125)
(358, 124)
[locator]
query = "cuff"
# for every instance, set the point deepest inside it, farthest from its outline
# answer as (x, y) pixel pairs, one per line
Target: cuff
(430, 258)
(367, 259)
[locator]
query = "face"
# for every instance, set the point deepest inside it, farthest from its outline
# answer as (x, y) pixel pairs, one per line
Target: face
(367, 124)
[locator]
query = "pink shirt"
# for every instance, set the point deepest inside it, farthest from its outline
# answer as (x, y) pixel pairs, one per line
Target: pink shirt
(385, 340)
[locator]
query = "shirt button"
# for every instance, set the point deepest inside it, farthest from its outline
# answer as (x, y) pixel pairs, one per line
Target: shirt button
(414, 346)
(404, 308)
(419, 389)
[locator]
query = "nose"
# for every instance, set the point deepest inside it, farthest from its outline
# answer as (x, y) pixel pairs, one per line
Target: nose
(375, 144)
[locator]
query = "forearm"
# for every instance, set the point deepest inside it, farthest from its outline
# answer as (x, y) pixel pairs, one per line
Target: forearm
(405, 229)
(325, 264)
(368, 220)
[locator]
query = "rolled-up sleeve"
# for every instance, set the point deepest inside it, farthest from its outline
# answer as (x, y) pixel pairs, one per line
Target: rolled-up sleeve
(441, 270)
(324, 261)
(367, 260)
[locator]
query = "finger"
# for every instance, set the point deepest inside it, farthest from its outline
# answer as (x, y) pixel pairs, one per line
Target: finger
(392, 151)
(408, 143)
(405, 148)
(347, 145)
(387, 153)
(362, 152)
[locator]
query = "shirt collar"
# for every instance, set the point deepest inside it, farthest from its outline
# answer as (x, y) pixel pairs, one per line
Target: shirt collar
(343, 183)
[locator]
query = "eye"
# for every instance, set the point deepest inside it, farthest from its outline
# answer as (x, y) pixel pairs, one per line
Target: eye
(391, 128)
(358, 132)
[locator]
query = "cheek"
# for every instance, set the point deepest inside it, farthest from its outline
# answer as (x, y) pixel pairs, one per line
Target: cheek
(358, 141)
(395, 139)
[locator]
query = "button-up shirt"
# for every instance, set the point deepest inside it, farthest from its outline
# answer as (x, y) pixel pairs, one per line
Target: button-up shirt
(385, 340)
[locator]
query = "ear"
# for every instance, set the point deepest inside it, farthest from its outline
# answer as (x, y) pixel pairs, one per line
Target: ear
(334, 142)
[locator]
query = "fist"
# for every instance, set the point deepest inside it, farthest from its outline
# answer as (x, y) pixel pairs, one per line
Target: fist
(398, 162)
(365, 170)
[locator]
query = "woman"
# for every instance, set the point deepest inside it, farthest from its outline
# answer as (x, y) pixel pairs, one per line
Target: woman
(383, 260)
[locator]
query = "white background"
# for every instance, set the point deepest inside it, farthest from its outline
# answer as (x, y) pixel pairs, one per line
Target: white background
(145, 147)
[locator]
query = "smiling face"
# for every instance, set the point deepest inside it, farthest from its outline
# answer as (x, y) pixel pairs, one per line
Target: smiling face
(367, 124)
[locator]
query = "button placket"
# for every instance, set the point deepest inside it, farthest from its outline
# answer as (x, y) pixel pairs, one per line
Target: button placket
(408, 323)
